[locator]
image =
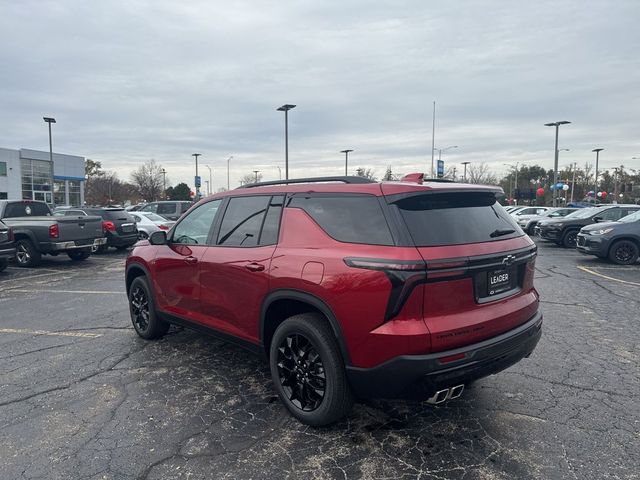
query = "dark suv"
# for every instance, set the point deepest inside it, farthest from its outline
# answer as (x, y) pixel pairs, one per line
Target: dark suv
(350, 288)
(564, 231)
(119, 226)
(620, 241)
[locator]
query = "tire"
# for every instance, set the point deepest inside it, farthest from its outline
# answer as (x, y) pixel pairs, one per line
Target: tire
(79, 255)
(4, 263)
(142, 235)
(145, 320)
(313, 384)
(570, 239)
(26, 254)
(100, 249)
(531, 229)
(624, 252)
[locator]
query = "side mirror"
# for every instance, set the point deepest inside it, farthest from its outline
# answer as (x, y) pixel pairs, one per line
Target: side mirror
(597, 219)
(158, 238)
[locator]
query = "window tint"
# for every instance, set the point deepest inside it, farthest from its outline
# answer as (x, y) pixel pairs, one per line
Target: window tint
(610, 214)
(74, 213)
(455, 219)
(185, 206)
(352, 219)
(271, 226)
(633, 216)
(152, 207)
(166, 208)
(27, 209)
(242, 221)
(194, 228)
(120, 215)
(136, 218)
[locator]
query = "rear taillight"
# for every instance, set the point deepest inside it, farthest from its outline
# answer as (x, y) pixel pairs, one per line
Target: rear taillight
(163, 227)
(108, 226)
(385, 264)
(54, 231)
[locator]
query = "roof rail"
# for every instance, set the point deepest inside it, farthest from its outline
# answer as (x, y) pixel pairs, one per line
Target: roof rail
(345, 179)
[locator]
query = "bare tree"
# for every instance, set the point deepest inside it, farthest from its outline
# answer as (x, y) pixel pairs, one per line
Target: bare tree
(148, 180)
(366, 173)
(250, 178)
(479, 173)
(108, 189)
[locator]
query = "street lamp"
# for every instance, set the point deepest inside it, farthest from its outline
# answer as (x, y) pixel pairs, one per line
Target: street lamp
(285, 108)
(555, 164)
(346, 160)
(515, 183)
(210, 181)
(50, 120)
(256, 172)
(465, 171)
(197, 182)
(228, 160)
(164, 183)
(208, 188)
(597, 150)
(440, 150)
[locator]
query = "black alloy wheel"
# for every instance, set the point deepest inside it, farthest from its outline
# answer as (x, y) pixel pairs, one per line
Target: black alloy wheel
(140, 311)
(624, 252)
(301, 372)
(145, 320)
(570, 239)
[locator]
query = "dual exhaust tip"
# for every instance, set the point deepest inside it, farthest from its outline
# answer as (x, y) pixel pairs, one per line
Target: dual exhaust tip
(442, 396)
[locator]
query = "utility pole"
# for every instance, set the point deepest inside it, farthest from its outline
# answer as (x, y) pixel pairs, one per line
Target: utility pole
(433, 138)
(256, 172)
(555, 164)
(573, 183)
(465, 171)
(197, 180)
(228, 160)
(595, 188)
(285, 108)
(164, 184)
(346, 160)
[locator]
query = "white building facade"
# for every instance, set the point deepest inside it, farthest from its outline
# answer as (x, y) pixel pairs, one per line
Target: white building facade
(30, 175)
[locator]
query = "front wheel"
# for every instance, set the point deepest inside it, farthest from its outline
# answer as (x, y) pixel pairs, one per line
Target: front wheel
(570, 239)
(142, 235)
(308, 370)
(79, 255)
(624, 252)
(26, 254)
(143, 312)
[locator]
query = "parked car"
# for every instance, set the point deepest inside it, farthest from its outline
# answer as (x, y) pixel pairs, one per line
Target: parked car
(529, 211)
(149, 223)
(528, 222)
(119, 226)
(620, 241)
(564, 231)
(134, 208)
(7, 246)
(169, 209)
(37, 232)
(350, 288)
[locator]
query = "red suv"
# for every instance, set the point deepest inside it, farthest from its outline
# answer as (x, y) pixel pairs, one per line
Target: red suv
(350, 288)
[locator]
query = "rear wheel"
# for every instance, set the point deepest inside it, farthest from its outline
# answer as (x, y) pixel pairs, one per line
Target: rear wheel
(624, 252)
(570, 239)
(308, 371)
(26, 254)
(142, 235)
(99, 249)
(4, 263)
(79, 255)
(143, 313)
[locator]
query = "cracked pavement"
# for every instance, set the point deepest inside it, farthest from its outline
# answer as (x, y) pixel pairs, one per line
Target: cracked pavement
(108, 405)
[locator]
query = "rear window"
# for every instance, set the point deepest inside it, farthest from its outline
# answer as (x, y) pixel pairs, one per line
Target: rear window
(351, 219)
(166, 208)
(120, 215)
(26, 209)
(456, 219)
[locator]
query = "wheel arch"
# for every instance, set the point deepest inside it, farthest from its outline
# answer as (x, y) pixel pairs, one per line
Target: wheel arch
(282, 304)
(135, 270)
(629, 238)
(20, 234)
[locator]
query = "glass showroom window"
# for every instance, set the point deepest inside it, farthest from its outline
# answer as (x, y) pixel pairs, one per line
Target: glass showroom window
(37, 180)
(74, 193)
(59, 192)
(3, 169)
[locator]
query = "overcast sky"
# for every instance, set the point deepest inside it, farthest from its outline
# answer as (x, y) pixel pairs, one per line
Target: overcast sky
(133, 80)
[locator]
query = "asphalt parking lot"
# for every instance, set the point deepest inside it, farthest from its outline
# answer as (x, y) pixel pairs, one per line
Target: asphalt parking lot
(83, 397)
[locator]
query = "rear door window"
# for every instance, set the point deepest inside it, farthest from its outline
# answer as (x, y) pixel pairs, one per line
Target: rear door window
(456, 218)
(611, 214)
(271, 225)
(166, 209)
(242, 221)
(347, 218)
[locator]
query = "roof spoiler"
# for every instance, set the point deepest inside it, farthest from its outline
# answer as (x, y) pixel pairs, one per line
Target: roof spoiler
(419, 179)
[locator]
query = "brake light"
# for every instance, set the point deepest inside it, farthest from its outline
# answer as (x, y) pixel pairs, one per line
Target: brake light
(385, 264)
(108, 226)
(163, 227)
(54, 231)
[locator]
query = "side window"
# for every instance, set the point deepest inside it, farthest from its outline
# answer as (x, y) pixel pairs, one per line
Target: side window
(194, 228)
(152, 207)
(166, 208)
(185, 206)
(242, 221)
(611, 214)
(74, 213)
(351, 219)
(271, 226)
(136, 218)
(628, 211)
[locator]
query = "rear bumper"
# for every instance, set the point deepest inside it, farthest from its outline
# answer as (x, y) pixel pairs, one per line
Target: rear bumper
(119, 240)
(62, 246)
(7, 253)
(419, 376)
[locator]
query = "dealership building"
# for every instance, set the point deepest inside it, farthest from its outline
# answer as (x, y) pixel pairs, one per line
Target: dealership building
(31, 175)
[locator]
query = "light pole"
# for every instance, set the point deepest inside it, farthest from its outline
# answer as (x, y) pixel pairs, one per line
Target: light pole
(279, 172)
(597, 150)
(164, 183)
(197, 182)
(285, 108)
(208, 188)
(515, 183)
(465, 171)
(256, 172)
(555, 164)
(50, 120)
(440, 150)
(346, 160)
(228, 160)
(210, 180)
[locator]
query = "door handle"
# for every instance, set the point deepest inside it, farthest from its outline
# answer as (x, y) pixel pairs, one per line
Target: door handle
(254, 267)
(191, 260)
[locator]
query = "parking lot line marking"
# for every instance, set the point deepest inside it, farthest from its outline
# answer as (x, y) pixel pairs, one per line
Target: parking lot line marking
(51, 334)
(585, 269)
(99, 292)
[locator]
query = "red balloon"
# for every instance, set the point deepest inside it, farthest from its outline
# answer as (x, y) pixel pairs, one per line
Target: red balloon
(604, 194)
(540, 192)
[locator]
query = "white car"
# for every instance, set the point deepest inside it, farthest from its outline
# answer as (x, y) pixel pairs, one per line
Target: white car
(149, 223)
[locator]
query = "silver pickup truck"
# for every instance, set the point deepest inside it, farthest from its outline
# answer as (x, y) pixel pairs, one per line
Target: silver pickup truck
(36, 232)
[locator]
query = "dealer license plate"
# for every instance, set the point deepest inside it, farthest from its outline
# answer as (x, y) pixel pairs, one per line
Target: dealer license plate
(498, 281)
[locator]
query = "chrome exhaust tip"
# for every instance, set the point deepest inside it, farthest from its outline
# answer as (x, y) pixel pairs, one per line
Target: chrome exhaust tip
(438, 397)
(456, 391)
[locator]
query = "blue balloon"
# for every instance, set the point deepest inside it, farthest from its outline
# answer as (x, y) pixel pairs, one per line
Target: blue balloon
(552, 187)
(559, 185)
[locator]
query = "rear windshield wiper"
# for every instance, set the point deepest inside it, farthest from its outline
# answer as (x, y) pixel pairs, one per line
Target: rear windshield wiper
(500, 232)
